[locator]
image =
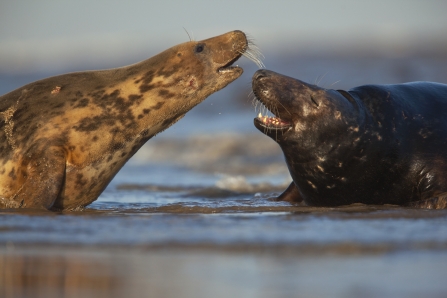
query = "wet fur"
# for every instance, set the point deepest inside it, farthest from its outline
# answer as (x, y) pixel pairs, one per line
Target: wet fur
(63, 139)
(373, 144)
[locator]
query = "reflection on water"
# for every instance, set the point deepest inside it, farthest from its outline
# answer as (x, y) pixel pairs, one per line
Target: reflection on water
(58, 275)
(67, 272)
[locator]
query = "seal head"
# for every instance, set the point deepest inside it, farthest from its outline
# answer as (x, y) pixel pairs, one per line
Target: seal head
(374, 144)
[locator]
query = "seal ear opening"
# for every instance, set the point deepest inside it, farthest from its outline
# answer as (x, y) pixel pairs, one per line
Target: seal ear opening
(347, 96)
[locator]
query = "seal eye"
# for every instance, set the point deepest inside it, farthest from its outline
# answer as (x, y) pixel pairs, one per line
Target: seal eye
(199, 48)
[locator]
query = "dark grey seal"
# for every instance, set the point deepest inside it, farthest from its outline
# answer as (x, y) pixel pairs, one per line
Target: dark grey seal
(373, 144)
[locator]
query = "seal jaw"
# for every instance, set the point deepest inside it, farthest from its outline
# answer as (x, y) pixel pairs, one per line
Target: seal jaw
(229, 69)
(271, 125)
(226, 50)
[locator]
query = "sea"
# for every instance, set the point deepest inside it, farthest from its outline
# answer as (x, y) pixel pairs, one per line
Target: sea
(192, 214)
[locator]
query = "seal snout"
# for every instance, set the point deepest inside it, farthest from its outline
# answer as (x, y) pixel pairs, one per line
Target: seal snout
(259, 74)
(265, 91)
(259, 86)
(262, 73)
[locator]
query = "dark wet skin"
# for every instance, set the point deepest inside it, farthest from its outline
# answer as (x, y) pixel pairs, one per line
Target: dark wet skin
(373, 144)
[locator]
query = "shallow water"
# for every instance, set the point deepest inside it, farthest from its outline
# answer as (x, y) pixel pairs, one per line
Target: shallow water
(190, 215)
(218, 237)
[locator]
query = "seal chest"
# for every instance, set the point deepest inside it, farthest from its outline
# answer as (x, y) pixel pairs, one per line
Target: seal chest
(373, 144)
(64, 138)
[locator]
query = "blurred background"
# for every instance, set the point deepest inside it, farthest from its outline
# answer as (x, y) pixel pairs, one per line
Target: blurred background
(335, 44)
(201, 220)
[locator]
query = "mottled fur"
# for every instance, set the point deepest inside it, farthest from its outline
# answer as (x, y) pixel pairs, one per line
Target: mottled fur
(373, 144)
(63, 139)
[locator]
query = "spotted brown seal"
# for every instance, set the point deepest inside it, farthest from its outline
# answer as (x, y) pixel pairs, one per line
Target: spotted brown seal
(64, 138)
(373, 144)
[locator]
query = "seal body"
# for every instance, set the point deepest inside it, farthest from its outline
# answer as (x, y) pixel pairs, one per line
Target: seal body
(373, 144)
(63, 139)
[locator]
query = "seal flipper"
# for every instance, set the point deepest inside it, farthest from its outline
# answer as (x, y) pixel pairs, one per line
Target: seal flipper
(291, 194)
(438, 202)
(44, 179)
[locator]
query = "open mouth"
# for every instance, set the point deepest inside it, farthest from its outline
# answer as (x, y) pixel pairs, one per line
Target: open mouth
(270, 122)
(278, 118)
(228, 67)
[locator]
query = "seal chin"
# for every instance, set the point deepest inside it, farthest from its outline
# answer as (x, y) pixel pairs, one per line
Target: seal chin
(227, 74)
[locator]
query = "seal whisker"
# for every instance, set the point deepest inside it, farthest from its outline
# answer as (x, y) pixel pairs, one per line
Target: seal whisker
(253, 57)
(190, 39)
(251, 96)
(257, 106)
(255, 103)
(278, 116)
(319, 79)
(277, 112)
(252, 45)
(334, 83)
(253, 53)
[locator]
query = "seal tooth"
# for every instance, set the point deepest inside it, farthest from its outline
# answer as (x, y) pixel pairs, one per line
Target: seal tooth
(259, 115)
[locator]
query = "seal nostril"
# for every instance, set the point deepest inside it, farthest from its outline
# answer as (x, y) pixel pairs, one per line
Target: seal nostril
(259, 75)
